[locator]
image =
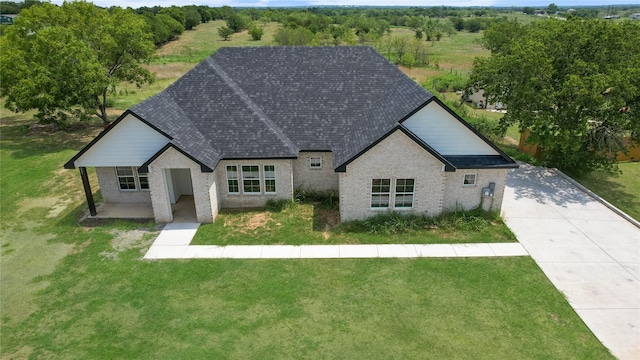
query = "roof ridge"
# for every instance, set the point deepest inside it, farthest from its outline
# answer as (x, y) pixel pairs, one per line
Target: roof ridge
(271, 126)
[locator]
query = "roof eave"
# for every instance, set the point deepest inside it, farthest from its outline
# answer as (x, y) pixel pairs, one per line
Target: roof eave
(144, 168)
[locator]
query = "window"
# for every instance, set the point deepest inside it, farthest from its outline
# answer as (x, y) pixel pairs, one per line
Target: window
(126, 179)
(404, 193)
(269, 178)
(380, 191)
(315, 162)
(232, 179)
(250, 179)
(143, 179)
(469, 180)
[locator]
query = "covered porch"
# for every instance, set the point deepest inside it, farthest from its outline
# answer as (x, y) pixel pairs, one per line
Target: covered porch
(183, 211)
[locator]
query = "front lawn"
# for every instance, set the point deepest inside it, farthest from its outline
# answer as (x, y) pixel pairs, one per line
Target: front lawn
(74, 292)
(299, 224)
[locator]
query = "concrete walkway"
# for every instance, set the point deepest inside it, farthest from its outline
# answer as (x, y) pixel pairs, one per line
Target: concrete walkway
(178, 249)
(591, 254)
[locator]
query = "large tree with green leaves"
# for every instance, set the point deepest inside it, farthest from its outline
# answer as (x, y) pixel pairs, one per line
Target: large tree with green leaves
(64, 60)
(574, 84)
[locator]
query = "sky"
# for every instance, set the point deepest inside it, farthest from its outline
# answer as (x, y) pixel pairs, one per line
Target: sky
(284, 3)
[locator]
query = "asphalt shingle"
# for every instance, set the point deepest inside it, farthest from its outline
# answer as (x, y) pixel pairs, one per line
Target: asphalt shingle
(272, 102)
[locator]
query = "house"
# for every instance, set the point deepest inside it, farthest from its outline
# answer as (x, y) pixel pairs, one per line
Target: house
(255, 123)
(635, 16)
(7, 19)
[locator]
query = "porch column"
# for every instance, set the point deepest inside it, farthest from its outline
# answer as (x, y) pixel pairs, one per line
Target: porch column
(87, 191)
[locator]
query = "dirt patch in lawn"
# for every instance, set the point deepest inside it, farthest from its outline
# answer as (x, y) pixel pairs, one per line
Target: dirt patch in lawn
(124, 240)
(258, 220)
(325, 220)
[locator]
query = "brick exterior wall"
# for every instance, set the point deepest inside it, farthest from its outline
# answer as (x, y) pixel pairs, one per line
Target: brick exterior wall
(306, 178)
(111, 192)
(202, 183)
(284, 183)
(467, 197)
(395, 157)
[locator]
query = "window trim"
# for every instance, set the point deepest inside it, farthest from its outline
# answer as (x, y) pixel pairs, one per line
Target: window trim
(138, 176)
(244, 191)
(464, 179)
(404, 193)
(264, 174)
(132, 176)
(311, 162)
(379, 193)
(237, 179)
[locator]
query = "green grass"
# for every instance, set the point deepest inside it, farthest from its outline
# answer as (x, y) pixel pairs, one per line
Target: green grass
(70, 292)
(622, 190)
(311, 224)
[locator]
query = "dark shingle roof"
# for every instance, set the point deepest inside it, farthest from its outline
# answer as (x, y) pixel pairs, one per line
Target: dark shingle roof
(272, 102)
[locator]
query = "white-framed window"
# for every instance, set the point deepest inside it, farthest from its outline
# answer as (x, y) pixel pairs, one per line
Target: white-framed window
(269, 172)
(469, 180)
(315, 162)
(126, 178)
(404, 193)
(380, 193)
(143, 180)
(130, 180)
(232, 179)
(251, 179)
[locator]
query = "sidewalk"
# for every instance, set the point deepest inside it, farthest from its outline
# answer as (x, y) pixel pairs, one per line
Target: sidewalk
(185, 251)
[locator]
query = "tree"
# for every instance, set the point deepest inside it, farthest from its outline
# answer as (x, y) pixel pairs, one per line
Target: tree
(65, 60)
(528, 10)
(192, 17)
(552, 9)
(296, 37)
(236, 22)
(256, 33)
(176, 13)
(574, 84)
(225, 32)
(400, 45)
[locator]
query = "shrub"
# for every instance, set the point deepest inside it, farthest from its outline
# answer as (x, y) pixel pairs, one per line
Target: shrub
(397, 223)
(448, 82)
(326, 199)
(256, 33)
(277, 205)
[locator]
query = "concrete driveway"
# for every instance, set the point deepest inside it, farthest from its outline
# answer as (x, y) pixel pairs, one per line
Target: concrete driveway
(590, 253)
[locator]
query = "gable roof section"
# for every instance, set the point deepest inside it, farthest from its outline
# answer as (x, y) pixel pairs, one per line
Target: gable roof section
(71, 163)
(448, 166)
(498, 159)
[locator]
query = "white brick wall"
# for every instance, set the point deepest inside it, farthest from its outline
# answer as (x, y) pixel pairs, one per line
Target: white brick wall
(321, 179)
(284, 183)
(111, 192)
(462, 197)
(397, 156)
(203, 186)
